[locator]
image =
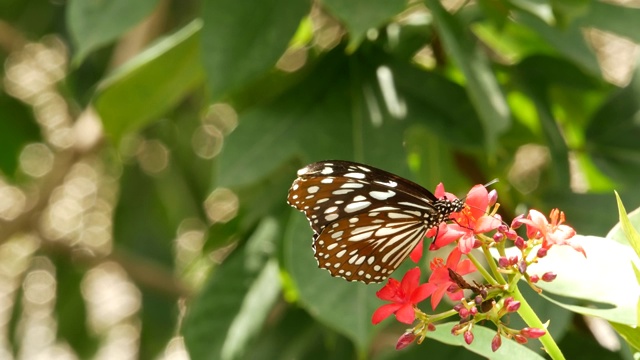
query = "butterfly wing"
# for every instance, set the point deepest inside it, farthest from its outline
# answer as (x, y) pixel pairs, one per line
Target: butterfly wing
(370, 245)
(365, 220)
(329, 190)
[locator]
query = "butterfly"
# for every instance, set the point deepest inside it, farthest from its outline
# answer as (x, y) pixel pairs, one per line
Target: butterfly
(365, 221)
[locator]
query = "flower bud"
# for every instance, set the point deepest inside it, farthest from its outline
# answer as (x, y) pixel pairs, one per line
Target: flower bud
(522, 267)
(520, 243)
(405, 340)
(503, 262)
(534, 279)
(464, 313)
(512, 306)
(468, 337)
(473, 311)
(532, 333)
(478, 299)
(431, 327)
(520, 339)
(516, 221)
(496, 342)
(493, 197)
(498, 237)
(458, 307)
(511, 234)
(542, 252)
(503, 228)
(549, 276)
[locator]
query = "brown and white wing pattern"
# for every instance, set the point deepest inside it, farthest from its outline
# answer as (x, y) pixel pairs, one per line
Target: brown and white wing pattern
(365, 220)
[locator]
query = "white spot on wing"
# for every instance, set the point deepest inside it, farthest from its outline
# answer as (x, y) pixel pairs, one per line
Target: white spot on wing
(313, 189)
(382, 195)
(352, 185)
(356, 206)
(341, 191)
(391, 183)
(331, 217)
(355, 175)
(327, 181)
(326, 171)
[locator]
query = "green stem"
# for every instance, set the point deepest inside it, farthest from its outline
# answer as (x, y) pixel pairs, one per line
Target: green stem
(482, 270)
(492, 265)
(529, 316)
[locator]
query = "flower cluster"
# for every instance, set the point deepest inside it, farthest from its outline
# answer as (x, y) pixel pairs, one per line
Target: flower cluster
(476, 226)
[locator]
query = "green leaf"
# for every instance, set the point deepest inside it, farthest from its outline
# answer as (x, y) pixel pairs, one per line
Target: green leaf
(151, 83)
(93, 24)
(607, 16)
(628, 227)
(630, 334)
(71, 311)
(567, 41)
(17, 129)
(347, 307)
(361, 15)
(338, 112)
(613, 133)
(482, 85)
(597, 280)
(240, 43)
(226, 316)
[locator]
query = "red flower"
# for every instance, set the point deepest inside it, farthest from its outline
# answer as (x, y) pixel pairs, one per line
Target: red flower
(470, 221)
(403, 296)
(416, 253)
(553, 233)
(440, 281)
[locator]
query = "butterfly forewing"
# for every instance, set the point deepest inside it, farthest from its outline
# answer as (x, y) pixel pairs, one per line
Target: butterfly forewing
(366, 221)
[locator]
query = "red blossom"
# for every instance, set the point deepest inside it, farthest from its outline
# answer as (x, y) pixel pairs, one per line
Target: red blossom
(552, 233)
(403, 296)
(440, 281)
(470, 221)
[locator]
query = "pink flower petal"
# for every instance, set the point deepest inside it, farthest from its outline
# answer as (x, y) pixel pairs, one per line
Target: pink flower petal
(390, 291)
(486, 223)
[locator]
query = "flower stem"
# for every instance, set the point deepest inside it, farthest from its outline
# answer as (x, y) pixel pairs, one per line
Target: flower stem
(529, 316)
(485, 274)
(492, 265)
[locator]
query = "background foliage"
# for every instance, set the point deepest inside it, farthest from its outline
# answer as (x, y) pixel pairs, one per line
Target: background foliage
(146, 149)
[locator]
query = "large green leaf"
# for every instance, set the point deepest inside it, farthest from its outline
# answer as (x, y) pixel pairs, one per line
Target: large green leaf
(151, 83)
(482, 85)
(242, 42)
(225, 317)
(344, 306)
(340, 113)
(92, 23)
(361, 15)
(613, 133)
(608, 16)
(596, 280)
(567, 41)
